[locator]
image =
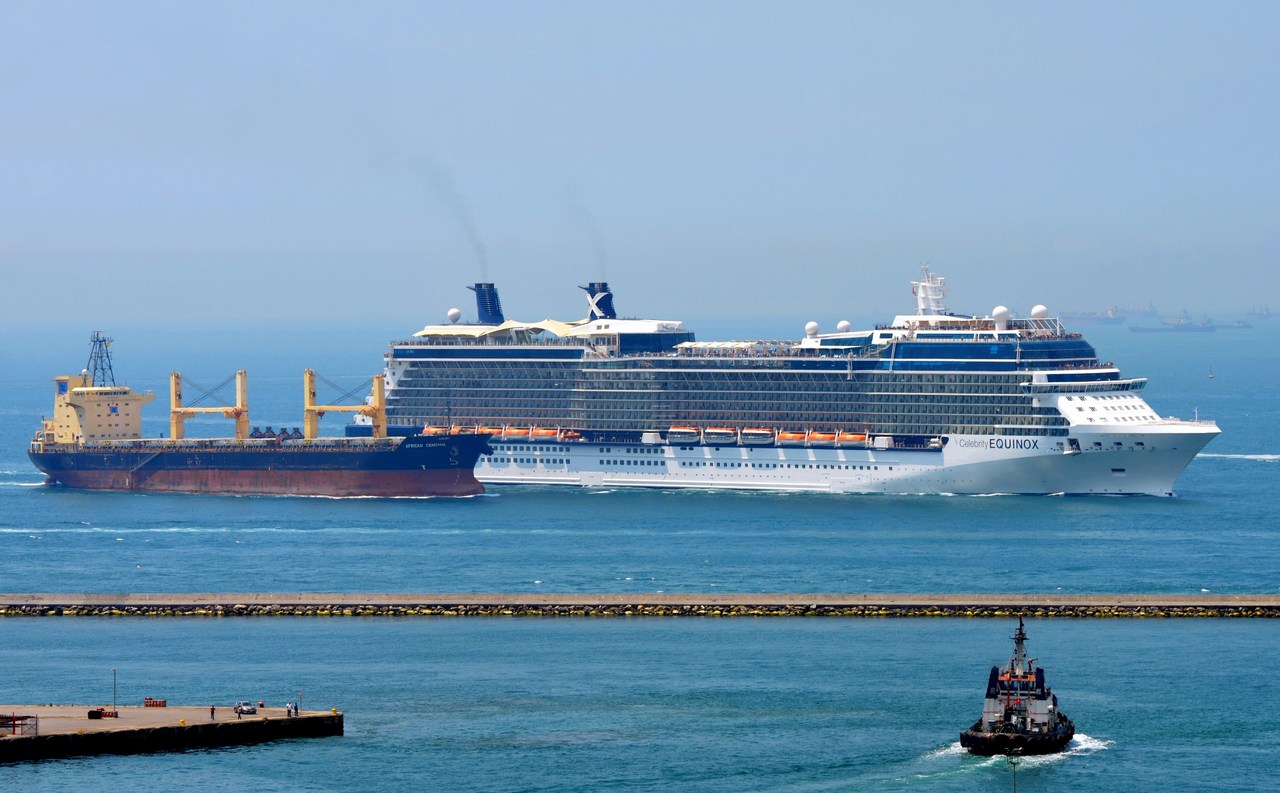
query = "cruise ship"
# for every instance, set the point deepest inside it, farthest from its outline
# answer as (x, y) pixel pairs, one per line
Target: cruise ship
(932, 402)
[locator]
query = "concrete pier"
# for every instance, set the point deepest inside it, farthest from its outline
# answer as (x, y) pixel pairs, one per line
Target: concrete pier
(637, 604)
(67, 730)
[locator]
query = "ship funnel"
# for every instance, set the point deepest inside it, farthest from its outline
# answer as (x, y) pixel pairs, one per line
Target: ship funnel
(488, 306)
(600, 300)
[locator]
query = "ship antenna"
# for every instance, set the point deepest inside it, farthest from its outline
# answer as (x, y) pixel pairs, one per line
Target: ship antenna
(99, 366)
(1019, 649)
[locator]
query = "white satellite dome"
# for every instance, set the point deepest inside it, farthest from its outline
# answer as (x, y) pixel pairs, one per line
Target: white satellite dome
(454, 315)
(1001, 315)
(1039, 312)
(843, 326)
(811, 329)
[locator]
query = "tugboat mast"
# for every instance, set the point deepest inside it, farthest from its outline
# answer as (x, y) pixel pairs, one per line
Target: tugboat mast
(1017, 664)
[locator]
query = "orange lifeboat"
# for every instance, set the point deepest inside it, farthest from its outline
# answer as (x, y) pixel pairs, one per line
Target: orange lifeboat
(851, 438)
(570, 435)
(516, 434)
(789, 438)
(683, 435)
(822, 439)
(719, 436)
(494, 431)
(458, 429)
(544, 434)
(430, 430)
(757, 436)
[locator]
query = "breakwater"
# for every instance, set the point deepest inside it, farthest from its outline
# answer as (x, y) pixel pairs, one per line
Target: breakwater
(632, 605)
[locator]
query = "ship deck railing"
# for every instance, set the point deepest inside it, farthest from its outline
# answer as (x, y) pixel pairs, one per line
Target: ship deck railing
(232, 444)
(1175, 421)
(490, 341)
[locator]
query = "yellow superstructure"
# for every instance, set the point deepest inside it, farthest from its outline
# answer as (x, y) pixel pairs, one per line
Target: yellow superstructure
(85, 412)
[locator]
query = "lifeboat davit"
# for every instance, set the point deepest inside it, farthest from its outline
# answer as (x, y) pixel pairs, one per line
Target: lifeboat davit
(789, 438)
(757, 436)
(851, 438)
(683, 435)
(719, 436)
(822, 439)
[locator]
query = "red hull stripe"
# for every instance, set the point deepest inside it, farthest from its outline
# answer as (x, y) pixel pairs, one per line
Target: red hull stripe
(455, 482)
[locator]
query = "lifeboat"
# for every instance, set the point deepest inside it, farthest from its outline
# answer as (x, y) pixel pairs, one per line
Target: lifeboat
(788, 438)
(570, 435)
(544, 434)
(822, 439)
(683, 435)
(719, 436)
(494, 431)
(458, 429)
(429, 430)
(517, 434)
(757, 436)
(851, 438)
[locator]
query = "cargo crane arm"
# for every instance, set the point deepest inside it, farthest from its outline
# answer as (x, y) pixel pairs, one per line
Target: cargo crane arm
(179, 413)
(376, 410)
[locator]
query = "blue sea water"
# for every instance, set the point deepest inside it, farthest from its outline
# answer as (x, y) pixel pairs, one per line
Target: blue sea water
(648, 704)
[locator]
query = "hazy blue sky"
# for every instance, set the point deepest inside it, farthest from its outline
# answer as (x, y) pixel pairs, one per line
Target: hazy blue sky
(363, 162)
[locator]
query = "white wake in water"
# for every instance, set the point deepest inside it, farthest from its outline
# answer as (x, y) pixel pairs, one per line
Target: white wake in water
(1080, 745)
(1262, 458)
(1086, 744)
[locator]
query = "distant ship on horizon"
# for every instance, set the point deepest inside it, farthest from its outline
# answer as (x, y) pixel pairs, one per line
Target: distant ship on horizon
(1108, 317)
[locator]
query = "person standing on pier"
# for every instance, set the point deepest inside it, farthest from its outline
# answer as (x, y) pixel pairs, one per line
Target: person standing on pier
(212, 710)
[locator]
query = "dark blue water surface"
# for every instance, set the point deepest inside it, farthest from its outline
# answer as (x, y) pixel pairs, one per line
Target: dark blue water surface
(649, 704)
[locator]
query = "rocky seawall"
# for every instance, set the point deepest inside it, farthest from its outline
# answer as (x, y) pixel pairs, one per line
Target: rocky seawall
(636, 605)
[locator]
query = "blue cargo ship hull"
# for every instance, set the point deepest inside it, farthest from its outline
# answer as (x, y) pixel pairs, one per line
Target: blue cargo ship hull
(397, 467)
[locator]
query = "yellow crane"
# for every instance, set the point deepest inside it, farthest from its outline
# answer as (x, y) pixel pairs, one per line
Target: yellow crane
(178, 414)
(376, 410)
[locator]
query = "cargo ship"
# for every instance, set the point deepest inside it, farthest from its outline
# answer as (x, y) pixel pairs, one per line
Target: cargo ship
(94, 441)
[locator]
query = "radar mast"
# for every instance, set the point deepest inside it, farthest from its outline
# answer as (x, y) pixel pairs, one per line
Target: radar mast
(99, 366)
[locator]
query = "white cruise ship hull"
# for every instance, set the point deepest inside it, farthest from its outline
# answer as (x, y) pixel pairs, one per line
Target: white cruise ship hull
(1143, 462)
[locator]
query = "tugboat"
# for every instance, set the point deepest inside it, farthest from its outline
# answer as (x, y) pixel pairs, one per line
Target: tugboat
(1020, 715)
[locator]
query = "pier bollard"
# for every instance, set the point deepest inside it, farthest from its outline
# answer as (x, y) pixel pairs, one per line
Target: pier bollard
(182, 722)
